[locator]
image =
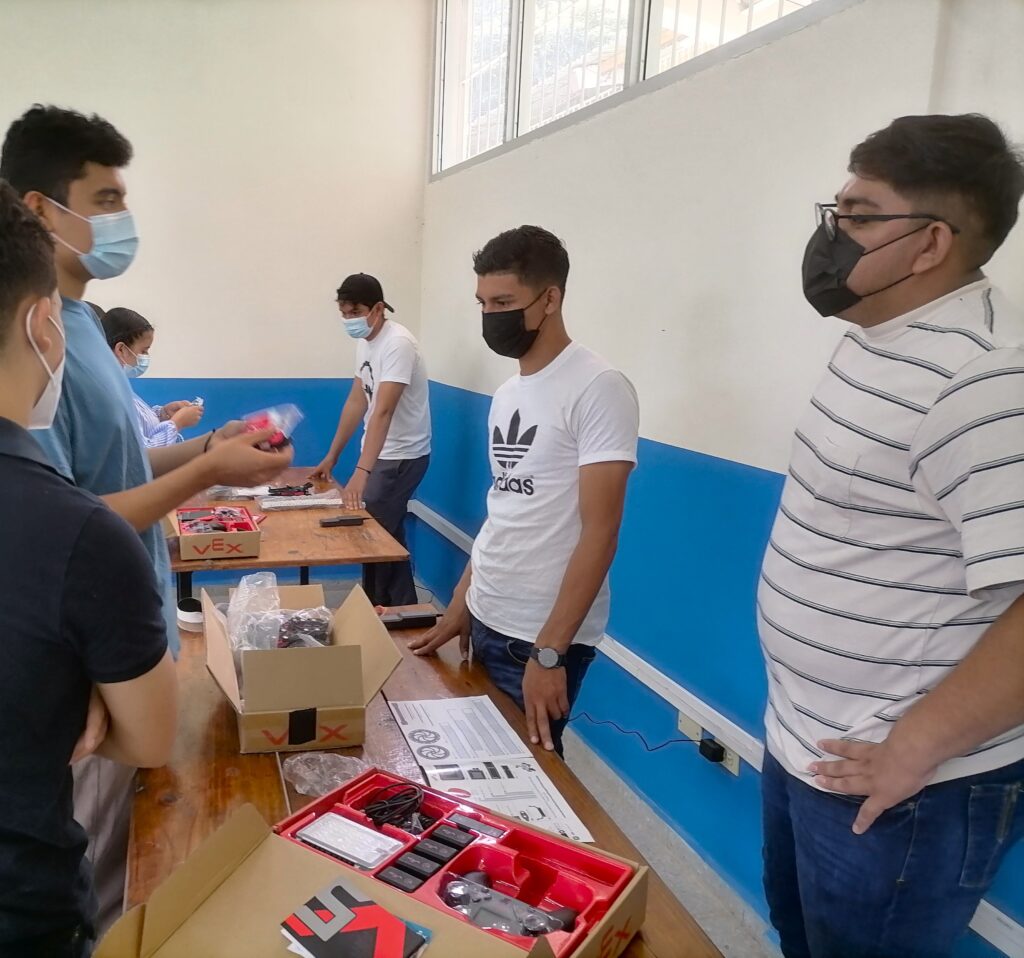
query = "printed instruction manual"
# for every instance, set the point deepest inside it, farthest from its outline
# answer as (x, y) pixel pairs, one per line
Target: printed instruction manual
(466, 748)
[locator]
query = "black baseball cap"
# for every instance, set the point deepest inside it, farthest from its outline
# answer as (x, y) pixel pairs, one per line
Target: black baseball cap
(364, 289)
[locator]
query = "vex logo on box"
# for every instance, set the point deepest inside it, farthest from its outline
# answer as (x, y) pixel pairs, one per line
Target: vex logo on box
(220, 547)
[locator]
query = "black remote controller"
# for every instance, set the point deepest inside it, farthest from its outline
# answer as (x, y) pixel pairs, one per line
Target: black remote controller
(341, 521)
(471, 895)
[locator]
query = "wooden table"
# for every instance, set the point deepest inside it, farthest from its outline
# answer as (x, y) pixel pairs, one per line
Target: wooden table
(176, 807)
(293, 538)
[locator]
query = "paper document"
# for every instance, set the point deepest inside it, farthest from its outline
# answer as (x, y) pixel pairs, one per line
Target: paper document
(466, 748)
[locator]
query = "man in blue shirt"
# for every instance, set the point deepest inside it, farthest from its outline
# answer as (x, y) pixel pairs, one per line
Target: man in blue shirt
(68, 170)
(74, 560)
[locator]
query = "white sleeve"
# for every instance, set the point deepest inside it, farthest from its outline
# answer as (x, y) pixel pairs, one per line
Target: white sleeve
(968, 454)
(606, 420)
(398, 361)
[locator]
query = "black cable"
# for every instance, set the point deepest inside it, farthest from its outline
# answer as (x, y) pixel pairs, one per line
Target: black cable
(630, 731)
(395, 808)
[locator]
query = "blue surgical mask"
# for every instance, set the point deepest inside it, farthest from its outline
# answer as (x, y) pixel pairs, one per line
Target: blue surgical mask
(114, 242)
(357, 327)
(140, 367)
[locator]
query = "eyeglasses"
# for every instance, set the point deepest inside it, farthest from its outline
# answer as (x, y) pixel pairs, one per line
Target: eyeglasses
(826, 215)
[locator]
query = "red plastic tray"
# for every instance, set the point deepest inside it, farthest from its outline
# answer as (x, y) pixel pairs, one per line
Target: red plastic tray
(538, 868)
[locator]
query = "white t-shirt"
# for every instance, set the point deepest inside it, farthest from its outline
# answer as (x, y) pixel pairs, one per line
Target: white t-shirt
(900, 537)
(576, 411)
(394, 357)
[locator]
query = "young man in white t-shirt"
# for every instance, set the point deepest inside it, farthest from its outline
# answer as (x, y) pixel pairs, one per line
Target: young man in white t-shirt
(891, 602)
(563, 437)
(389, 394)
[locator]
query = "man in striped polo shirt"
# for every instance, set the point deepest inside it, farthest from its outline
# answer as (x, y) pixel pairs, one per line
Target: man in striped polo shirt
(891, 601)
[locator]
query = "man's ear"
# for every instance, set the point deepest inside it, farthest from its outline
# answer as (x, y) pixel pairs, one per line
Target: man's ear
(938, 248)
(554, 300)
(39, 205)
(36, 311)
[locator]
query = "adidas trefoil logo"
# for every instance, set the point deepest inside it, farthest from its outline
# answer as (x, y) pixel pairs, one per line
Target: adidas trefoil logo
(510, 450)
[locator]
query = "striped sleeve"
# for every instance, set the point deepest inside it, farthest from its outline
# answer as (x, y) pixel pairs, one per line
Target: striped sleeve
(154, 433)
(968, 455)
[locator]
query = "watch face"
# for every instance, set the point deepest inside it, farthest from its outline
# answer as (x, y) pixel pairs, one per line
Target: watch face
(548, 658)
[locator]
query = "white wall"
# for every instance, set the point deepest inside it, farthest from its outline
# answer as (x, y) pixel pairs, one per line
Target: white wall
(685, 211)
(279, 145)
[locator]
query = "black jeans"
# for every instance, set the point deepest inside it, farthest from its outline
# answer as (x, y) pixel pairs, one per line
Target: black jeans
(505, 659)
(74, 942)
(388, 490)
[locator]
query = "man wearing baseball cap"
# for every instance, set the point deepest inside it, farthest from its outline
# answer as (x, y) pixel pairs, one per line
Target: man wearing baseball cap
(389, 394)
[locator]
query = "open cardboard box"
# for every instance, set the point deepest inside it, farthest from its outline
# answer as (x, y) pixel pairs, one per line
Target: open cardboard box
(305, 698)
(231, 895)
(193, 546)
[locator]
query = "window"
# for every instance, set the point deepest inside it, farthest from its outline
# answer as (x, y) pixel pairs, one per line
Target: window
(679, 30)
(574, 54)
(474, 77)
(506, 67)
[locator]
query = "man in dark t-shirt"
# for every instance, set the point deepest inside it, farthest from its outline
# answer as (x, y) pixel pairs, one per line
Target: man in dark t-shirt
(81, 615)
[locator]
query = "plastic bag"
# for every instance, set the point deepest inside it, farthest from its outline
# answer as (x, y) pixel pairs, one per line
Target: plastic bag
(317, 773)
(283, 419)
(251, 612)
(304, 627)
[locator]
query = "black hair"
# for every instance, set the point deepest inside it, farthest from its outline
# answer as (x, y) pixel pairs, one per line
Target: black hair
(98, 310)
(26, 257)
(123, 325)
(966, 157)
(46, 149)
(536, 256)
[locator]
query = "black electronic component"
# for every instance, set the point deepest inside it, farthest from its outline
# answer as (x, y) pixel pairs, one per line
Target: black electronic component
(393, 804)
(452, 836)
(341, 521)
(436, 851)
(713, 751)
(409, 620)
(417, 865)
(303, 490)
(472, 895)
(400, 879)
(464, 821)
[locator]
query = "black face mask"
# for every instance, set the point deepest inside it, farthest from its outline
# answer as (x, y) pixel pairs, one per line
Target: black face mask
(828, 264)
(506, 333)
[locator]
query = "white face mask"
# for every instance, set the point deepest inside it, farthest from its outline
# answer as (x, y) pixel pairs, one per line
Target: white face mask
(45, 409)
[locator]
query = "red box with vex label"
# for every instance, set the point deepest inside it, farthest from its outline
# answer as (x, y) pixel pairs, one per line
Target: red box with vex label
(217, 532)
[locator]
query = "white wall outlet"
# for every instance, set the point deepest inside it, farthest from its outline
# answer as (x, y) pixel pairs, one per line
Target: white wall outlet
(731, 762)
(689, 727)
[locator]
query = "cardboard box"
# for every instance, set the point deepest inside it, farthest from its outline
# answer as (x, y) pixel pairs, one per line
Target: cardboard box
(231, 895)
(217, 545)
(304, 698)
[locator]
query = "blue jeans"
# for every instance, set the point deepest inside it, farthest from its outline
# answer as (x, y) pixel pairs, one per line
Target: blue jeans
(505, 659)
(907, 888)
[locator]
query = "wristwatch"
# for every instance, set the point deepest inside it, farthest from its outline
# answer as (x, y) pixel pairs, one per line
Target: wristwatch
(547, 658)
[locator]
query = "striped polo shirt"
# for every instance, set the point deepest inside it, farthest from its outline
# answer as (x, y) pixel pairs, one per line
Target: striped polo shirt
(900, 535)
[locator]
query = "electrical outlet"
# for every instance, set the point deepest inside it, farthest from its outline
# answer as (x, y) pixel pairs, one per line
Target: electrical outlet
(731, 762)
(689, 727)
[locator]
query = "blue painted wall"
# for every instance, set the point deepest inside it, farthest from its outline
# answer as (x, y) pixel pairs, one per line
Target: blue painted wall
(683, 586)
